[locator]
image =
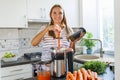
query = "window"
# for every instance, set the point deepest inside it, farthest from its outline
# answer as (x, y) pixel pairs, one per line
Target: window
(106, 23)
(98, 18)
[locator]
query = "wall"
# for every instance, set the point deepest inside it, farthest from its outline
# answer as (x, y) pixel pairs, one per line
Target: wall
(19, 40)
(117, 39)
(8, 39)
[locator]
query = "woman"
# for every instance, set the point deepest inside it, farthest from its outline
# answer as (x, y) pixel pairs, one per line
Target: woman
(57, 29)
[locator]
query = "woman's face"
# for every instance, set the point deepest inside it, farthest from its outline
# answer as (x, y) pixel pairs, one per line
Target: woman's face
(57, 15)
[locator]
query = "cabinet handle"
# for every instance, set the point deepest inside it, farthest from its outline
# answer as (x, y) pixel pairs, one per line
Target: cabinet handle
(16, 70)
(20, 79)
(26, 23)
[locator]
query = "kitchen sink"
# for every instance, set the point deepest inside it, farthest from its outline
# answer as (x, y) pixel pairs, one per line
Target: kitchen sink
(84, 58)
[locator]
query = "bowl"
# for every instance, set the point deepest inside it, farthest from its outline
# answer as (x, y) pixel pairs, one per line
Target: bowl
(10, 59)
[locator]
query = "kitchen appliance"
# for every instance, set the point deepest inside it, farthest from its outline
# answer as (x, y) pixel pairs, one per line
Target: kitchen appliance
(33, 55)
(77, 34)
(36, 56)
(59, 64)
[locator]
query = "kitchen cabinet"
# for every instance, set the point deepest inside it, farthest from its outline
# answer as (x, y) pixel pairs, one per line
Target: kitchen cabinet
(18, 72)
(38, 11)
(13, 13)
(38, 21)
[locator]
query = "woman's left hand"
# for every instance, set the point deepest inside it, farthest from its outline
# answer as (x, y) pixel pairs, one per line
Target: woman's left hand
(81, 35)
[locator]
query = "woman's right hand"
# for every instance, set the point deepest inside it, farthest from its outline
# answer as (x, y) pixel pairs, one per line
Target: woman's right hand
(55, 28)
(51, 28)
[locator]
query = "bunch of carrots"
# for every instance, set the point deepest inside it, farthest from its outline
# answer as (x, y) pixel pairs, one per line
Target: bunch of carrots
(82, 74)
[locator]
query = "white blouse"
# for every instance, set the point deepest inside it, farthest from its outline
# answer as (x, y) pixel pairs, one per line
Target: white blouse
(49, 42)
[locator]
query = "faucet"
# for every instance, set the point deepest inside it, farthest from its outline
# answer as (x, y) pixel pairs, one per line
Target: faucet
(101, 48)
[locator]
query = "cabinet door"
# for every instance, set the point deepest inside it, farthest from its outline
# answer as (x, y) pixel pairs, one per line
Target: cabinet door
(33, 9)
(18, 77)
(13, 13)
(16, 72)
(38, 10)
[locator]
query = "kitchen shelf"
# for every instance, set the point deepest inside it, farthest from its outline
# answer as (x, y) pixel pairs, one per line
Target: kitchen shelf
(38, 21)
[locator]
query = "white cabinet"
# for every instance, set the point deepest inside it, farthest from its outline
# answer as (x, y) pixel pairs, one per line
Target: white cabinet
(13, 13)
(38, 10)
(18, 72)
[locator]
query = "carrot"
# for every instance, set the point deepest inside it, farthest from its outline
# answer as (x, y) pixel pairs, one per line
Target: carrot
(95, 76)
(79, 75)
(84, 73)
(75, 75)
(89, 72)
(92, 74)
(88, 76)
(69, 76)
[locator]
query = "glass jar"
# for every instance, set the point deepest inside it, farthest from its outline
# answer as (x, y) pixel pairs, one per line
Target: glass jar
(43, 72)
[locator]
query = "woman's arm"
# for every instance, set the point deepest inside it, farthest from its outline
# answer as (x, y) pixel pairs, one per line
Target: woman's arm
(72, 45)
(37, 39)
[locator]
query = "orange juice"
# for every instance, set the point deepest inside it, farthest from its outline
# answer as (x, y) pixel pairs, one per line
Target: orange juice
(45, 75)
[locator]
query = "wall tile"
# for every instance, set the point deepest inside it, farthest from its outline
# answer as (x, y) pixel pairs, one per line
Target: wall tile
(8, 44)
(19, 40)
(24, 43)
(8, 33)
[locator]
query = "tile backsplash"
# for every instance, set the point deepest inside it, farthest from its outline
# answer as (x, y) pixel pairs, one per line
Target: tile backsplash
(7, 44)
(19, 40)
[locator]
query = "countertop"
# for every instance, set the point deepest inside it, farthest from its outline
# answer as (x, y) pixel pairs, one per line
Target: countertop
(51, 79)
(106, 58)
(20, 61)
(109, 75)
(23, 60)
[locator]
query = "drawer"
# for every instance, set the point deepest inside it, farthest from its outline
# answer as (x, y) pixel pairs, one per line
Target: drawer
(18, 77)
(19, 69)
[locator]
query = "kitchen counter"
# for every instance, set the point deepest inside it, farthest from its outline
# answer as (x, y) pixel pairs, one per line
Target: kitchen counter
(36, 79)
(20, 61)
(109, 75)
(23, 60)
(106, 58)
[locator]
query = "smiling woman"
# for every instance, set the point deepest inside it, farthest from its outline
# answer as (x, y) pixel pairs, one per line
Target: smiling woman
(55, 35)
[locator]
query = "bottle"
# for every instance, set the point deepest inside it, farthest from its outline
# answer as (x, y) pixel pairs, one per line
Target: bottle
(77, 34)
